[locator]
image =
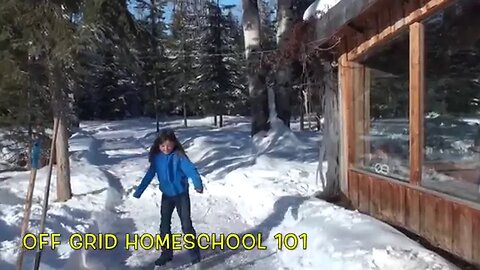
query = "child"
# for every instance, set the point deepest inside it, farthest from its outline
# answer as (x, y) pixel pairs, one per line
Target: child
(173, 168)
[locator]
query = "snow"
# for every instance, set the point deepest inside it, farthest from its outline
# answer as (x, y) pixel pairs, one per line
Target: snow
(340, 242)
(265, 185)
(318, 8)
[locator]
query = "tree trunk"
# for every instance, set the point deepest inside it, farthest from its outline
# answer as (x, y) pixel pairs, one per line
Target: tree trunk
(221, 120)
(215, 120)
(306, 104)
(185, 114)
(64, 191)
(302, 119)
(318, 121)
(301, 110)
(331, 136)
(255, 75)
(153, 17)
(283, 89)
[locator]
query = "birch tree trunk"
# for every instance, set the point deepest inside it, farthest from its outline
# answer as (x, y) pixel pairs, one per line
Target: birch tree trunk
(283, 89)
(255, 75)
(64, 191)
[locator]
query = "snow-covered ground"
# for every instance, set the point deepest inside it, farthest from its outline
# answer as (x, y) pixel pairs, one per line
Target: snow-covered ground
(263, 186)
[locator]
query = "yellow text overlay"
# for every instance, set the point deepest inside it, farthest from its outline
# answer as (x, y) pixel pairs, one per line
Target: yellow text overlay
(109, 241)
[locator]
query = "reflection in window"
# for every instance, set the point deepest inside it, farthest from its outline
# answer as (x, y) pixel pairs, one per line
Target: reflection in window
(381, 110)
(452, 133)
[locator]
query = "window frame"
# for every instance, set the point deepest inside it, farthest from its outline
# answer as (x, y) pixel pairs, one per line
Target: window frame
(348, 76)
(359, 97)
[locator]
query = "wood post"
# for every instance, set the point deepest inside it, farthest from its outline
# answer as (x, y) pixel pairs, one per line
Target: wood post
(26, 216)
(416, 101)
(345, 97)
(47, 189)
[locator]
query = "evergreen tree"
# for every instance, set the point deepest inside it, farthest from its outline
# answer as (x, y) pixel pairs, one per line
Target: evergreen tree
(236, 65)
(183, 52)
(212, 72)
(113, 68)
(153, 55)
(219, 74)
(49, 30)
(268, 24)
(15, 80)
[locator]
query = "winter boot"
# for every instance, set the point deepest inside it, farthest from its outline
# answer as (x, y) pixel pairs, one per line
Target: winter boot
(196, 260)
(164, 258)
(195, 254)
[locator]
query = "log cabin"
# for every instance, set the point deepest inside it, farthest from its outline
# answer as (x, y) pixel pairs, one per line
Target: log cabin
(409, 91)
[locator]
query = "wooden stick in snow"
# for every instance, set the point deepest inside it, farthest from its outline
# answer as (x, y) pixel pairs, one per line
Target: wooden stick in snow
(35, 157)
(47, 190)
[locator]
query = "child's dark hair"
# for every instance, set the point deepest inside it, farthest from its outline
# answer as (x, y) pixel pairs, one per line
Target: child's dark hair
(166, 135)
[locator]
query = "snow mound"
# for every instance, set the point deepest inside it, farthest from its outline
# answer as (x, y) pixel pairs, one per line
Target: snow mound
(279, 138)
(347, 240)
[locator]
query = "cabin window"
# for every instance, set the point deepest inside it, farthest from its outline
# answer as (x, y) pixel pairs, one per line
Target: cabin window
(452, 101)
(381, 110)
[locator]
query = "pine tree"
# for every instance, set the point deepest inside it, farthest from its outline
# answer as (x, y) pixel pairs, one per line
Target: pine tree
(212, 73)
(14, 66)
(183, 52)
(50, 31)
(219, 71)
(110, 57)
(155, 62)
(236, 65)
(107, 33)
(25, 103)
(268, 24)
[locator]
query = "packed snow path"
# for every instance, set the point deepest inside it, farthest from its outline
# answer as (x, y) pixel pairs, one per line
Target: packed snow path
(262, 187)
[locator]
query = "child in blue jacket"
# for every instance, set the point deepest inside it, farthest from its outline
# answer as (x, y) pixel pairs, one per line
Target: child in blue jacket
(173, 168)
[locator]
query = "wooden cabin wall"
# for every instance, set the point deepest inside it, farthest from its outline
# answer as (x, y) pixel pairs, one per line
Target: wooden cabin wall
(445, 221)
(384, 21)
(451, 225)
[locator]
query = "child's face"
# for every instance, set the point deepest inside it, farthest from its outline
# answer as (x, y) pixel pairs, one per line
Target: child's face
(167, 147)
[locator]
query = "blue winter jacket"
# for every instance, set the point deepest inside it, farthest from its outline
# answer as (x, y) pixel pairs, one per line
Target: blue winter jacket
(173, 171)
